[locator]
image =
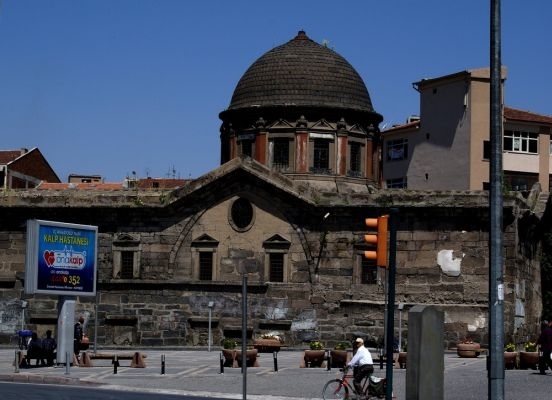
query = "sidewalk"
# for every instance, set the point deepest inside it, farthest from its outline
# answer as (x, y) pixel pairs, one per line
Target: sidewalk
(197, 372)
(192, 372)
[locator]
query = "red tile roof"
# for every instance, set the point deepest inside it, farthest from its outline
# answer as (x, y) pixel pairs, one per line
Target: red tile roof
(510, 113)
(80, 186)
(526, 116)
(140, 183)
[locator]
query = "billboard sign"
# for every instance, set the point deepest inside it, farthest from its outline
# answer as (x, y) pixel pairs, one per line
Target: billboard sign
(61, 258)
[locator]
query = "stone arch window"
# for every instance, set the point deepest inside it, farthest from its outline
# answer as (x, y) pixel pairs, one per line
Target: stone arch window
(204, 258)
(241, 215)
(126, 257)
(276, 266)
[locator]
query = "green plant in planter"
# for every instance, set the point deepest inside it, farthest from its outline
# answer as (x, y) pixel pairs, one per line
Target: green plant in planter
(341, 346)
(316, 345)
(510, 347)
(229, 343)
(530, 346)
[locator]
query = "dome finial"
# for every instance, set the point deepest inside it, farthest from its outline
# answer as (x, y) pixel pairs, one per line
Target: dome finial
(301, 35)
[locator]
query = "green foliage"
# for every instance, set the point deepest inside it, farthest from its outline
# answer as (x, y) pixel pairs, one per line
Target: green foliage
(342, 346)
(530, 346)
(316, 345)
(510, 347)
(229, 343)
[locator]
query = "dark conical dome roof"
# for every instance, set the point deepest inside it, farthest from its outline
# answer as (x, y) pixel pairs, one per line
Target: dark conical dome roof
(301, 72)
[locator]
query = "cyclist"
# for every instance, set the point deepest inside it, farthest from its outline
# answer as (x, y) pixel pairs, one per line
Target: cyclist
(362, 364)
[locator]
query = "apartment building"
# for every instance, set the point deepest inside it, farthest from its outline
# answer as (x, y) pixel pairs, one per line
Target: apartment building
(24, 169)
(448, 146)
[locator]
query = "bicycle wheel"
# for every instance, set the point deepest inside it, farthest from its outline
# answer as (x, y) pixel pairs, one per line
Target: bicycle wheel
(335, 389)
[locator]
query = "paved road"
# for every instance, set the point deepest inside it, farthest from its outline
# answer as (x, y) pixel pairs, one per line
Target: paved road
(31, 391)
(195, 372)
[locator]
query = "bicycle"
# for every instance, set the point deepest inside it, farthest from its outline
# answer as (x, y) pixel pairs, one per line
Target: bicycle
(341, 388)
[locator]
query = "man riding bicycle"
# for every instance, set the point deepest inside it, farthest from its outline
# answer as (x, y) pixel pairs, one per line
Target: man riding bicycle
(362, 364)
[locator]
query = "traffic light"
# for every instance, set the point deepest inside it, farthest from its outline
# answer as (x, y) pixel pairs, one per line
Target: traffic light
(378, 238)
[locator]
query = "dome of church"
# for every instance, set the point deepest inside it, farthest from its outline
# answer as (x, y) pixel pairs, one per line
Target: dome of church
(301, 73)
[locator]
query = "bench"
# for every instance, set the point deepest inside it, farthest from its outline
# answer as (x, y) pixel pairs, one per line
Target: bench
(137, 359)
(25, 359)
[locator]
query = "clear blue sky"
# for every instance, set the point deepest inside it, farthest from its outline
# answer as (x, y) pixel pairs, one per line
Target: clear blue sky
(114, 86)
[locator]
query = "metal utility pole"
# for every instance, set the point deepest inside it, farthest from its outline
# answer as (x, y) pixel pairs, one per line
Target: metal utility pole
(390, 332)
(244, 337)
(496, 279)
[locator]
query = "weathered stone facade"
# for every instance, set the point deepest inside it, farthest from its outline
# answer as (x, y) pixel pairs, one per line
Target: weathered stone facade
(291, 217)
(442, 260)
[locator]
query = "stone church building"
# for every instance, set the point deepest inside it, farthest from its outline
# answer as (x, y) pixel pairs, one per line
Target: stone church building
(300, 171)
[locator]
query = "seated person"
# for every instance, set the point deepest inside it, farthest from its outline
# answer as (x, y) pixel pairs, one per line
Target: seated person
(49, 346)
(34, 351)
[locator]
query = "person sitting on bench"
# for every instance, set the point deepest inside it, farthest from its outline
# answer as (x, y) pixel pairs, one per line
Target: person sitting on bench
(34, 351)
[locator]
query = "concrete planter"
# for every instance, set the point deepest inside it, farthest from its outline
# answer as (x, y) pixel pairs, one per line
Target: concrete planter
(267, 345)
(401, 359)
(314, 359)
(528, 359)
(510, 359)
(468, 350)
(339, 358)
(251, 358)
(229, 357)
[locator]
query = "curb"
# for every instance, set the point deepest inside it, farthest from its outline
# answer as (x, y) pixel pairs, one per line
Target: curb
(39, 378)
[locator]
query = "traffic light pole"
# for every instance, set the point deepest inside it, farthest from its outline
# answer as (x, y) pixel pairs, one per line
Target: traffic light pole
(390, 329)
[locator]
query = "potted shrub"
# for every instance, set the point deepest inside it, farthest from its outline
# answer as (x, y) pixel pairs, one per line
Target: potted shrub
(468, 348)
(229, 351)
(529, 358)
(530, 347)
(316, 345)
(316, 356)
(339, 356)
(229, 343)
(510, 356)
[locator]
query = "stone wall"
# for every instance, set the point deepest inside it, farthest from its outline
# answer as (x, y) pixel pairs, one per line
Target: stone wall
(442, 260)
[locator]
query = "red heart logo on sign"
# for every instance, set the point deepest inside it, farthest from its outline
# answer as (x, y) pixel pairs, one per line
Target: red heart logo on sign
(49, 257)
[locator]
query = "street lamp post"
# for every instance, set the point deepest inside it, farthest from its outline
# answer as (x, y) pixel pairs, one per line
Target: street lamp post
(24, 305)
(244, 337)
(210, 305)
(401, 306)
